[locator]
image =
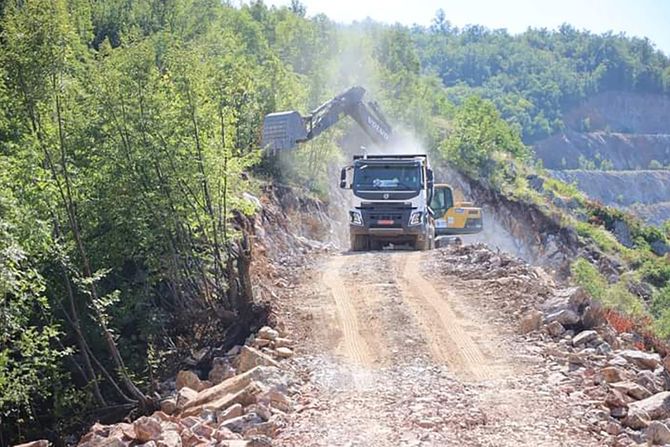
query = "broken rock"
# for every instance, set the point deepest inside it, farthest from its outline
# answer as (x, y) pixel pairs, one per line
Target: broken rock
(656, 406)
(564, 316)
(185, 396)
(250, 357)
(242, 423)
(268, 333)
(632, 389)
(642, 359)
(147, 429)
(555, 329)
(584, 337)
(530, 322)
(38, 443)
(188, 379)
(284, 353)
(170, 438)
(231, 412)
(613, 374)
(658, 433)
(636, 419)
(169, 405)
(283, 343)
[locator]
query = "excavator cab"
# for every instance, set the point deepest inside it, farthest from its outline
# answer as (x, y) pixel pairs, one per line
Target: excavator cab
(452, 216)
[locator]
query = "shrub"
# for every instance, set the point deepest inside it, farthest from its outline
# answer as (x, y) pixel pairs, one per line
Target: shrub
(655, 164)
(587, 276)
(618, 297)
(660, 302)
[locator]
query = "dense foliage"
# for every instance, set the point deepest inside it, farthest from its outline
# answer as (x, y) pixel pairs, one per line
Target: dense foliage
(127, 129)
(535, 76)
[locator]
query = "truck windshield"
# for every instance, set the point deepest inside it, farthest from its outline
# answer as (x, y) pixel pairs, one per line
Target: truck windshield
(393, 177)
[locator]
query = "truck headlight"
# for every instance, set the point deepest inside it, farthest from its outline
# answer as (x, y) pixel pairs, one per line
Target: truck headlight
(355, 217)
(415, 218)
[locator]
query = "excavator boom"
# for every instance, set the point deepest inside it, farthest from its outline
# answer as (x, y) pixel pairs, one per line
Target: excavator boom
(284, 130)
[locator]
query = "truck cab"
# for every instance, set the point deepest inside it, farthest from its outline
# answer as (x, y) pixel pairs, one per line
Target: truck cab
(391, 197)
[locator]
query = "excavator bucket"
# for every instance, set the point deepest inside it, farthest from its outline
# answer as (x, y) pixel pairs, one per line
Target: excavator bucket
(283, 131)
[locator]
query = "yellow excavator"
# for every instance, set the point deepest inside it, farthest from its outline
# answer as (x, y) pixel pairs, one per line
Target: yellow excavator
(453, 215)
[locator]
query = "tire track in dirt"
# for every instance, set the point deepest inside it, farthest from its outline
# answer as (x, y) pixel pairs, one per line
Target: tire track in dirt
(353, 344)
(447, 340)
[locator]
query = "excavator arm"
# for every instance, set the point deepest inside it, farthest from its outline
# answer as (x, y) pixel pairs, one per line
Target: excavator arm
(284, 130)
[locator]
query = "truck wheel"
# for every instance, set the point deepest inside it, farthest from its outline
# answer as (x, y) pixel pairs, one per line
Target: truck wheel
(422, 244)
(359, 242)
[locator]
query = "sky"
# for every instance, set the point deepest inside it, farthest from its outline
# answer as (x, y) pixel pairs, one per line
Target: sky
(643, 18)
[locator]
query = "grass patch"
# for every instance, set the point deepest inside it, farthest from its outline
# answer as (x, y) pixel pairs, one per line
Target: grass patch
(615, 296)
(601, 237)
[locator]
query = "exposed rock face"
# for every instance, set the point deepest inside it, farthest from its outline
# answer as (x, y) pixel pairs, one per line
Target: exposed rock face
(623, 112)
(645, 193)
(624, 151)
(620, 188)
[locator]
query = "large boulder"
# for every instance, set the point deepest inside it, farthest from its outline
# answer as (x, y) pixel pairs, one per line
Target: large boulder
(250, 358)
(147, 429)
(656, 406)
(530, 322)
(658, 433)
(642, 359)
(188, 379)
(566, 317)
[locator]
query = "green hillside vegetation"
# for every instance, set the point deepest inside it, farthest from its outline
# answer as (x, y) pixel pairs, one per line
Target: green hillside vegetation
(535, 76)
(128, 130)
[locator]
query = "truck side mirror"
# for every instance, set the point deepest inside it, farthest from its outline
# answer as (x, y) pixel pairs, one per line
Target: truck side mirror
(343, 178)
(430, 178)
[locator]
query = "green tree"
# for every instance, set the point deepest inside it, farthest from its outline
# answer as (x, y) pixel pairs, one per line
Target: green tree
(480, 139)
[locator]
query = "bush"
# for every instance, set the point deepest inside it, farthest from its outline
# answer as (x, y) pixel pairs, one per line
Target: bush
(660, 303)
(481, 139)
(587, 276)
(615, 296)
(655, 164)
(618, 297)
(656, 271)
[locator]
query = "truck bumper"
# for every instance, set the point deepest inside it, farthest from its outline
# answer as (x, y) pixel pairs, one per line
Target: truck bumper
(398, 231)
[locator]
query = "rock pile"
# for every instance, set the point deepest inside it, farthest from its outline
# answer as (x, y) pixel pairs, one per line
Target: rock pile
(243, 403)
(628, 388)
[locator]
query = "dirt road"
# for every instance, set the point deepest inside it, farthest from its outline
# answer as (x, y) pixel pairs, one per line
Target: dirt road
(399, 355)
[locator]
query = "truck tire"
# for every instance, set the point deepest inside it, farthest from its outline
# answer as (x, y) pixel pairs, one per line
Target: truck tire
(359, 242)
(428, 242)
(422, 244)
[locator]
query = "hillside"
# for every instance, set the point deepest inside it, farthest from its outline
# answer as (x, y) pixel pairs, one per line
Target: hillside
(621, 135)
(146, 237)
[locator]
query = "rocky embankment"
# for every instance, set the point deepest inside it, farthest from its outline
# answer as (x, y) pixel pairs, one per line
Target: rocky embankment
(242, 403)
(629, 130)
(591, 353)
